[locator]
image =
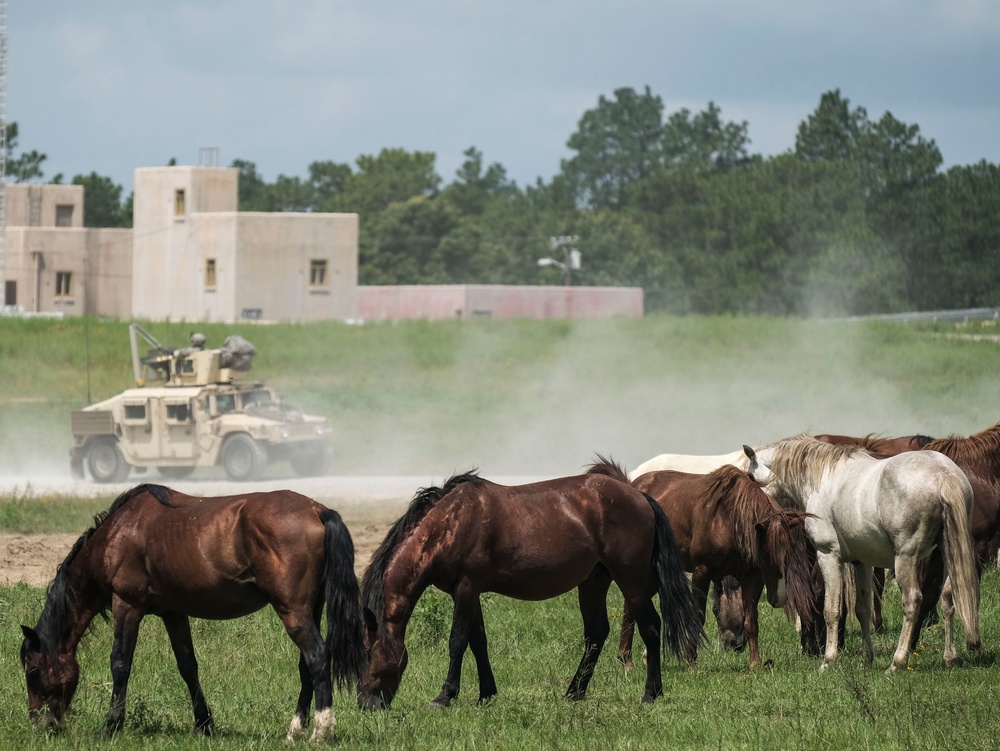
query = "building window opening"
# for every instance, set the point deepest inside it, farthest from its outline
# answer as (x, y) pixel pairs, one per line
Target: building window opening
(64, 284)
(210, 272)
(317, 272)
(179, 208)
(64, 215)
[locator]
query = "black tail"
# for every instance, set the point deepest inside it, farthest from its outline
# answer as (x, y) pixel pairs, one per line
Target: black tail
(681, 624)
(344, 625)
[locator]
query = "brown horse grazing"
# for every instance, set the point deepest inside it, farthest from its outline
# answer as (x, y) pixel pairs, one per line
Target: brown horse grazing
(978, 456)
(158, 552)
(727, 608)
(530, 542)
(725, 524)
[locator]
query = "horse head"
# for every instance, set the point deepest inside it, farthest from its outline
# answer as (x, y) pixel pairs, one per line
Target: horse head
(387, 659)
(727, 607)
(776, 537)
(52, 680)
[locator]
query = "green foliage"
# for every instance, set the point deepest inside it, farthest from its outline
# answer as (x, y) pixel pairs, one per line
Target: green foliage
(102, 206)
(617, 144)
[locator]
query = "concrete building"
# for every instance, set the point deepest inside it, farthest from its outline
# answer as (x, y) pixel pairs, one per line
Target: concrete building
(437, 302)
(54, 264)
(196, 257)
(192, 256)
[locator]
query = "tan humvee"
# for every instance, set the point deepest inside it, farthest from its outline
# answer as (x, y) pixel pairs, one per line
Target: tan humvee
(201, 412)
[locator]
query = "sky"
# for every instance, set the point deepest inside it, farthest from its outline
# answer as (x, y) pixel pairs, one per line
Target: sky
(112, 85)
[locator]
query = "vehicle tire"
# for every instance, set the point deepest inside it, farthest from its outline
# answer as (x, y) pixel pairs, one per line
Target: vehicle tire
(312, 461)
(175, 473)
(242, 457)
(105, 461)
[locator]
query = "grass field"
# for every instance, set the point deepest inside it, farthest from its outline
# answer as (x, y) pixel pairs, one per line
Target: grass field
(248, 671)
(527, 398)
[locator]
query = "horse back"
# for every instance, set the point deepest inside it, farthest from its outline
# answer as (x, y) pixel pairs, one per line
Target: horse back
(215, 557)
(531, 541)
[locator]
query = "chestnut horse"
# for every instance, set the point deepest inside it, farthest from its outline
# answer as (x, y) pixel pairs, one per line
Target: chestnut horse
(725, 525)
(158, 552)
(879, 512)
(978, 456)
(530, 542)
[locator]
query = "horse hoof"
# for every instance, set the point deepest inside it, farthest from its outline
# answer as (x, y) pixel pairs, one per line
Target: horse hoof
(825, 666)
(440, 704)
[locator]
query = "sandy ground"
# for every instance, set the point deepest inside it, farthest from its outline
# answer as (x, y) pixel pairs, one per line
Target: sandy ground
(368, 505)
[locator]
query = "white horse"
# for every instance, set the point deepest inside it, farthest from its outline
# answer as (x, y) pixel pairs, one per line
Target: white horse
(879, 512)
(693, 464)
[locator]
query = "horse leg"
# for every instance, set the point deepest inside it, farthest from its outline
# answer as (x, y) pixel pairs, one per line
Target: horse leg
(593, 597)
(930, 579)
(753, 586)
(179, 631)
(948, 616)
(649, 630)
(314, 664)
(477, 643)
(126, 629)
(863, 607)
(909, 588)
(878, 587)
(700, 582)
(625, 640)
(300, 720)
(832, 569)
(463, 621)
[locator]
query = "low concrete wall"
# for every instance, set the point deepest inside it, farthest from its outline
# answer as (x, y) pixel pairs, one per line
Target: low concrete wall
(437, 302)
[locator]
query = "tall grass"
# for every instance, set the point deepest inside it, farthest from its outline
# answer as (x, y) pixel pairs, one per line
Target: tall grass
(248, 669)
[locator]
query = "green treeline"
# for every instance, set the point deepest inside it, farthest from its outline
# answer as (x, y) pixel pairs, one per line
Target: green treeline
(857, 217)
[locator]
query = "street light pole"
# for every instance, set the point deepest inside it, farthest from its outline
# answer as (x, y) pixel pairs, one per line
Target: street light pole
(571, 256)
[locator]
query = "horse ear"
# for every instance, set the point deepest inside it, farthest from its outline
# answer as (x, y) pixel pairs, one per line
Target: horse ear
(750, 453)
(32, 641)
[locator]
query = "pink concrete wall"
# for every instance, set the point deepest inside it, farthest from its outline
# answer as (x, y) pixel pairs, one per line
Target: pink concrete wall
(436, 302)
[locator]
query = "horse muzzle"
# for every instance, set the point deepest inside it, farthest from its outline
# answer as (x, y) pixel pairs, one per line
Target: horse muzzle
(371, 701)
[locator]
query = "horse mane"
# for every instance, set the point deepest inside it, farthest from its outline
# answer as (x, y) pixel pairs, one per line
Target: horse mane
(373, 581)
(607, 467)
(733, 490)
(802, 460)
(61, 595)
(979, 453)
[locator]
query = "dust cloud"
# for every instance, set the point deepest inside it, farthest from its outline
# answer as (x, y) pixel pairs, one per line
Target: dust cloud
(600, 390)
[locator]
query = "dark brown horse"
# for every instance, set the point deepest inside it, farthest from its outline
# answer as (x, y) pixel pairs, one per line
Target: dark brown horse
(978, 456)
(530, 542)
(159, 552)
(726, 525)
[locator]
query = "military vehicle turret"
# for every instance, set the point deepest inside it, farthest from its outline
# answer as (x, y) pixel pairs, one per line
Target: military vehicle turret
(195, 407)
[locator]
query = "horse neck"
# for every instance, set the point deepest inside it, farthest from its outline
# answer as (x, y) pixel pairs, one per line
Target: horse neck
(71, 606)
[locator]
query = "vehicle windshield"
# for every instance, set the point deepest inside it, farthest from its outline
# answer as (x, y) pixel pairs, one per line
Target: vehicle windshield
(250, 398)
(225, 403)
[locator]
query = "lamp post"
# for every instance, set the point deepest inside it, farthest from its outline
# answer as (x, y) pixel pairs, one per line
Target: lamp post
(571, 256)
